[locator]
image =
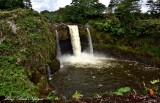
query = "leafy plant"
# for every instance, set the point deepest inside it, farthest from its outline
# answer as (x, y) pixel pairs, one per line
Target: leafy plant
(122, 90)
(5, 46)
(155, 81)
(23, 54)
(154, 88)
(77, 95)
(97, 95)
(56, 98)
(52, 96)
(14, 83)
(155, 85)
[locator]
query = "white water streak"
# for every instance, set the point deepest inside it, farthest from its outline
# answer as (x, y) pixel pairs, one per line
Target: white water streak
(49, 73)
(82, 59)
(75, 39)
(58, 45)
(90, 41)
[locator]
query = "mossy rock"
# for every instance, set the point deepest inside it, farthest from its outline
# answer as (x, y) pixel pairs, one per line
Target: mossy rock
(63, 32)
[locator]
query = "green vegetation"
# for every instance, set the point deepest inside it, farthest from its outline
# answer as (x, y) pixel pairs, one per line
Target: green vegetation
(122, 25)
(126, 28)
(77, 95)
(14, 82)
(122, 90)
(27, 45)
(14, 4)
(142, 37)
(26, 48)
(80, 11)
(51, 96)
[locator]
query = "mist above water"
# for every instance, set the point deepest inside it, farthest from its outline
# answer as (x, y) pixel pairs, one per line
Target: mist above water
(86, 60)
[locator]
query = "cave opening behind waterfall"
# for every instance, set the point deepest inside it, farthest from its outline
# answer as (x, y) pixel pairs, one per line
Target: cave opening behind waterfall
(66, 44)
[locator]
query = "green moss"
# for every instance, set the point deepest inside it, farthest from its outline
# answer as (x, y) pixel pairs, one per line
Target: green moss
(32, 46)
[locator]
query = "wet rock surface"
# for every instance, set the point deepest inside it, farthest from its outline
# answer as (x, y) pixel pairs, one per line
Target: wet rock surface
(54, 66)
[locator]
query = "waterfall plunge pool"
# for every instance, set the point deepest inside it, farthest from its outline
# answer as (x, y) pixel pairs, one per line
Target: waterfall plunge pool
(90, 74)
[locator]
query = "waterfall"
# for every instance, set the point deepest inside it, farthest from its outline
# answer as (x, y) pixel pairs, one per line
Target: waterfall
(49, 73)
(75, 39)
(58, 45)
(90, 41)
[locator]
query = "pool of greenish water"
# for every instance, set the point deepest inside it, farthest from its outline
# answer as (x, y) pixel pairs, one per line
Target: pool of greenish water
(100, 77)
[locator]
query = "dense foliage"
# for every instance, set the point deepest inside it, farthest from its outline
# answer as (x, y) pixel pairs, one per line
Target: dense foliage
(154, 6)
(26, 46)
(14, 82)
(13, 4)
(80, 11)
(125, 27)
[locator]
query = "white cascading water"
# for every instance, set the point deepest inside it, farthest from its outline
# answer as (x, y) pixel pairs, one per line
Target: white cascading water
(58, 45)
(49, 73)
(83, 59)
(90, 41)
(75, 39)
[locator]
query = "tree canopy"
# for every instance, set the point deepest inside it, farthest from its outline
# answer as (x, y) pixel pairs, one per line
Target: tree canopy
(154, 6)
(85, 9)
(13, 4)
(79, 11)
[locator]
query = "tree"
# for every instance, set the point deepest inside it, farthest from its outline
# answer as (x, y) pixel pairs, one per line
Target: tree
(27, 4)
(157, 3)
(112, 5)
(2, 2)
(11, 4)
(126, 11)
(79, 11)
(87, 8)
(136, 6)
(47, 15)
(152, 6)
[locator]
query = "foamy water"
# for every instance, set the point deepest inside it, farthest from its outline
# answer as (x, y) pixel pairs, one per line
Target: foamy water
(86, 60)
(83, 59)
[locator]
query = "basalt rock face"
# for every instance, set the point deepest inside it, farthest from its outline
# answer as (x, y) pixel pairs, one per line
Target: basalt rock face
(62, 30)
(83, 36)
(64, 36)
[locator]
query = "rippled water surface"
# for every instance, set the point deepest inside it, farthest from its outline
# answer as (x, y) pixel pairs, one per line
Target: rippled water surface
(98, 74)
